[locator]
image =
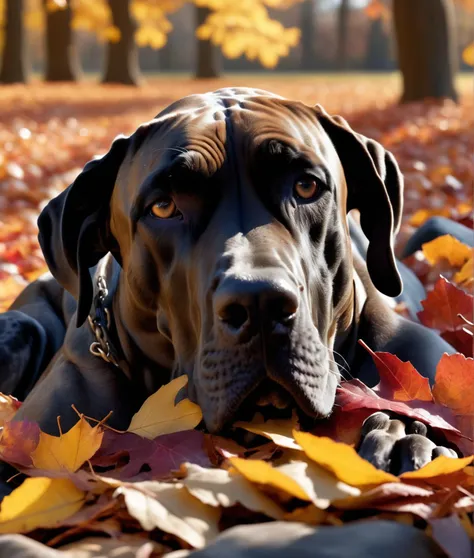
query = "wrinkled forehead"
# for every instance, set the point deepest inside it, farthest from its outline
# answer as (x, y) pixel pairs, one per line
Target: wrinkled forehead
(208, 130)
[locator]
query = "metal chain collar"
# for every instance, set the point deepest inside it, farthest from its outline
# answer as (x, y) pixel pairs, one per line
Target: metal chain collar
(100, 324)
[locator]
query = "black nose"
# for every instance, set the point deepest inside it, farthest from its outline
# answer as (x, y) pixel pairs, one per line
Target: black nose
(242, 304)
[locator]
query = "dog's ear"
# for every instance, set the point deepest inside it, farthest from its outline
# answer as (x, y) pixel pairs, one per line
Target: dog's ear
(74, 227)
(375, 188)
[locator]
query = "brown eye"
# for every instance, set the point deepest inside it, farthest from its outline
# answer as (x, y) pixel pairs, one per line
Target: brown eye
(164, 208)
(306, 189)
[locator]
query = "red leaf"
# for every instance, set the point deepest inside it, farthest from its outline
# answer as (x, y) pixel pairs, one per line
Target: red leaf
(399, 381)
(443, 304)
(355, 395)
(158, 457)
(17, 442)
(461, 339)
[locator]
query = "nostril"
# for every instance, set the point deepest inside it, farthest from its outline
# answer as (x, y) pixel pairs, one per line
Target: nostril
(282, 310)
(234, 315)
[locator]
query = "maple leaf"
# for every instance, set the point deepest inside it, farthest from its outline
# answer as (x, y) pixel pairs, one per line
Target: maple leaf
(39, 502)
(454, 384)
(69, 451)
(161, 455)
(465, 276)
(159, 415)
(173, 509)
(443, 305)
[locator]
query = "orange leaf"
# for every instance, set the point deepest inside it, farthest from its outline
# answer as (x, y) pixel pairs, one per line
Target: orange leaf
(465, 276)
(399, 381)
(454, 385)
(342, 461)
(449, 248)
(442, 465)
(443, 304)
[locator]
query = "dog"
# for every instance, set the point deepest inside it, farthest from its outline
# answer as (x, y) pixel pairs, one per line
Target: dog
(215, 242)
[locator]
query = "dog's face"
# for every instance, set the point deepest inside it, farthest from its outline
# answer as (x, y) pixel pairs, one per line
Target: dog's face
(228, 216)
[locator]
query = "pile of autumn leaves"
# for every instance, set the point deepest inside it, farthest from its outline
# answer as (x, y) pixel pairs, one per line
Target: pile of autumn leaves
(165, 484)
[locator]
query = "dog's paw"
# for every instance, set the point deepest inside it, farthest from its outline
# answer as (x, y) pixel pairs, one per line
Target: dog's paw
(398, 444)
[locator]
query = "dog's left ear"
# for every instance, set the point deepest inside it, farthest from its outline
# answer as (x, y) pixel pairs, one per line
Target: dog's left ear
(375, 188)
(74, 227)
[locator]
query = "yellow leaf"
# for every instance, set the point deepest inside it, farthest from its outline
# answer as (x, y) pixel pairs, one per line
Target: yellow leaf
(442, 465)
(465, 276)
(279, 431)
(422, 215)
(468, 54)
(342, 461)
(39, 502)
(262, 472)
(446, 247)
(69, 451)
(159, 415)
(216, 487)
(8, 407)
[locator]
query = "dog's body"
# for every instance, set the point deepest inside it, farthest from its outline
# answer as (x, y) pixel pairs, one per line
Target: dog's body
(221, 233)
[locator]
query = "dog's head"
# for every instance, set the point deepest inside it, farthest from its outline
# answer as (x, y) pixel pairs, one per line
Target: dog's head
(227, 214)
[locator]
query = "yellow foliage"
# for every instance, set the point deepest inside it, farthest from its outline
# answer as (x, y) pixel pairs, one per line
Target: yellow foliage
(468, 54)
(159, 415)
(68, 451)
(448, 248)
(245, 28)
(39, 502)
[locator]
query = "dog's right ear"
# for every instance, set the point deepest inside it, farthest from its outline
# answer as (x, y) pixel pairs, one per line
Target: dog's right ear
(74, 231)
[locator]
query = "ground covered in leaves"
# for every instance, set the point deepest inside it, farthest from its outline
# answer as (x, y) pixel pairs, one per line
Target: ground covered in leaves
(164, 485)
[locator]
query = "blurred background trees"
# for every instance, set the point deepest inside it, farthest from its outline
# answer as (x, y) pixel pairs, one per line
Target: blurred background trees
(62, 39)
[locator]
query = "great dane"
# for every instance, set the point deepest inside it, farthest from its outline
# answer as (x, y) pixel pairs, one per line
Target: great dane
(215, 242)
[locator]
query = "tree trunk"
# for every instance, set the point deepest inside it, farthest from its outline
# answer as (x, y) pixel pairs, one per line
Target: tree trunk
(14, 48)
(62, 61)
(207, 53)
(343, 34)
(308, 35)
(426, 48)
(122, 56)
(378, 47)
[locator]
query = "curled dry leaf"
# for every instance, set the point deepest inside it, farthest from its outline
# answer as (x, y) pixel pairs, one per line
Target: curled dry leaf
(279, 431)
(171, 508)
(18, 440)
(39, 502)
(160, 415)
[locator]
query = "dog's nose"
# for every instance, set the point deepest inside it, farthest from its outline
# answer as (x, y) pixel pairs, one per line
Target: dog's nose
(243, 303)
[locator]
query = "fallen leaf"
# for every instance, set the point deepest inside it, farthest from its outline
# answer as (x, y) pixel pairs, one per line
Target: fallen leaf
(449, 248)
(454, 384)
(8, 407)
(159, 415)
(442, 465)
(465, 276)
(261, 472)
(342, 461)
(39, 502)
(69, 451)
(216, 487)
(442, 307)
(18, 440)
(322, 487)
(279, 431)
(171, 508)
(161, 456)
(399, 381)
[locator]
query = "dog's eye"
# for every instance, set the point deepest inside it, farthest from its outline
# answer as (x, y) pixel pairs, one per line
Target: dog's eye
(306, 188)
(164, 208)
